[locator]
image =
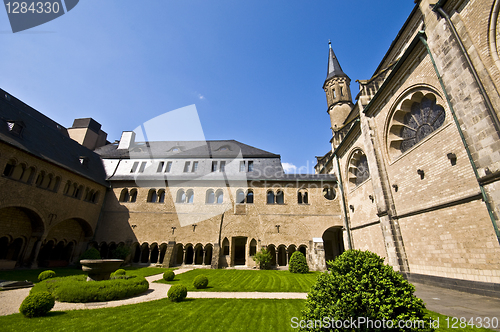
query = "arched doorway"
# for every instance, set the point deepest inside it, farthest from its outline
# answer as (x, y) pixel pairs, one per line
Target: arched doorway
(333, 243)
(189, 254)
(282, 255)
(272, 251)
(208, 254)
(179, 254)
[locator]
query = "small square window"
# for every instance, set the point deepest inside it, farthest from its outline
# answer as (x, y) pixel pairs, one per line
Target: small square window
(160, 167)
(195, 166)
(186, 166)
(214, 166)
(143, 167)
(169, 167)
(242, 166)
(222, 166)
(250, 166)
(134, 167)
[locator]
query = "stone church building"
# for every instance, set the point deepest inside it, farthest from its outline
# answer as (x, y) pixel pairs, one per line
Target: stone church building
(418, 153)
(412, 173)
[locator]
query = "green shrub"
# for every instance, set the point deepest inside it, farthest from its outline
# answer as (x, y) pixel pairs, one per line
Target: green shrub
(46, 275)
(120, 253)
(298, 263)
(263, 258)
(76, 289)
(36, 305)
(177, 293)
(361, 285)
(168, 275)
(91, 253)
(119, 272)
(200, 282)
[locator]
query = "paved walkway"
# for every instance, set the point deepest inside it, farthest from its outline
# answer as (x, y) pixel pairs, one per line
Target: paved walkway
(445, 301)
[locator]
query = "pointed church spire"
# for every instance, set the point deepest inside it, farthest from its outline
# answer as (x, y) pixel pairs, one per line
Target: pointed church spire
(334, 68)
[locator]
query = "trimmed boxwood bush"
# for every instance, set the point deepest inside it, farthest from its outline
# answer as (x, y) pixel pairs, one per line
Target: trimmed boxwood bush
(46, 275)
(298, 263)
(177, 293)
(36, 305)
(361, 285)
(168, 275)
(119, 272)
(200, 282)
(77, 289)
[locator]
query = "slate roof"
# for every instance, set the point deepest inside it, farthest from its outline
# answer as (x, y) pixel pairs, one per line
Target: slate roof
(334, 69)
(184, 150)
(46, 139)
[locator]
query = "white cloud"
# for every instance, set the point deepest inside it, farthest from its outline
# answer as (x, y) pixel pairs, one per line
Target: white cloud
(200, 96)
(289, 168)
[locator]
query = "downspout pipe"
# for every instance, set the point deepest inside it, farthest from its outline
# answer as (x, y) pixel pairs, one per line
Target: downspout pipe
(489, 106)
(346, 219)
(462, 137)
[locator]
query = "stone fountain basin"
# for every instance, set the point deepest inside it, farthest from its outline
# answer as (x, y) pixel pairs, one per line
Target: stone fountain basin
(100, 269)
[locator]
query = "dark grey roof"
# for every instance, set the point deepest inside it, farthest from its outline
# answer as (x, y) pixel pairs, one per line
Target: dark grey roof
(229, 177)
(334, 68)
(184, 149)
(46, 139)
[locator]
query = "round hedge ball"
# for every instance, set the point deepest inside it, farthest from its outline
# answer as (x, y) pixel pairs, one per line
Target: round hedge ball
(200, 282)
(36, 305)
(46, 275)
(168, 275)
(119, 272)
(177, 293)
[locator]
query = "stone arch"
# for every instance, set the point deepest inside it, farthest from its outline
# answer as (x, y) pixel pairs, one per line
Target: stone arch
(68, 251)
(111, 250)
(208, 254)
(155, 253)
(198, 254)
(136, 253)
(290, 250)
(282, 261)
(189, 259)
(45, 253)
(358, 171)
(303, 249)
(302, 196)
(9, 167)
(333, 243)
(124, 195)
(416, 115)
(272, 250)
(145, 252)
(163, 251)
(179, 254)
(133, 196)
(240, 196)
(253, 248)
(225, 247)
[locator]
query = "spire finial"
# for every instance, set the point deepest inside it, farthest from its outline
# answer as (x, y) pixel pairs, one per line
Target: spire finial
(329, 43)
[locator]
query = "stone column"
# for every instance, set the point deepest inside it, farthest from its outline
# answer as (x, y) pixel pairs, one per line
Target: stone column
(204, 253)
(184, 256)
(34, 263)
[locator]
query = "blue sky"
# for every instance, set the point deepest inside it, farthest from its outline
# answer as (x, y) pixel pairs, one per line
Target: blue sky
(254, 69)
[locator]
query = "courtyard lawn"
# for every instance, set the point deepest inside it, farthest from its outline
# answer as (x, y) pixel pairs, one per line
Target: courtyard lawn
(32, 275)
(231, 280)
(189, 315)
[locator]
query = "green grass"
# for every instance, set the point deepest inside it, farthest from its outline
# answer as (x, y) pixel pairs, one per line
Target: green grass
(247, 280)
(32, 275)
(189, 315)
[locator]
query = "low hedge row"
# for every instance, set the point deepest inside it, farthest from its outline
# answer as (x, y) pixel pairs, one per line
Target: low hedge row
(77, 289)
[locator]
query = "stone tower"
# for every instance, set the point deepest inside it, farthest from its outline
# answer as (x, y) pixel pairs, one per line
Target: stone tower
(338, 93)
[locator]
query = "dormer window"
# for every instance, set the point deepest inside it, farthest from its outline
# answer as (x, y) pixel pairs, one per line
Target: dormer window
(15, 127)
(84, 161)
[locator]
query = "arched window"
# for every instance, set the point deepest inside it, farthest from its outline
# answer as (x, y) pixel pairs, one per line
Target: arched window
(124, 195)
(240, 197)
(152, 196)
(302, 197)
(253, 247)
(57, 183)
(181, 196)
(358, 168)
(133, 195)
(219, 196)
(210, 197)
(280, 197)
(40, 178)
(18, 172)
(190, 196)
(67, 187)
(9, 168)
(250, 197)
(95, 197)
(417, 116)
(28, 175)
(161, 196)
(270, 197)
(225, 246)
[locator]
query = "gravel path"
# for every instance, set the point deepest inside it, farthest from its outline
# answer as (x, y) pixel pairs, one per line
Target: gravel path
(12, 299)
